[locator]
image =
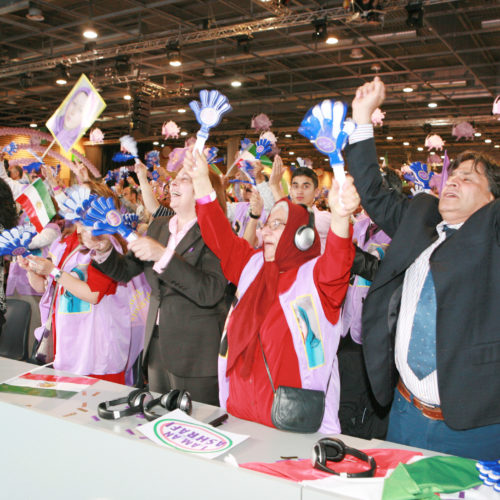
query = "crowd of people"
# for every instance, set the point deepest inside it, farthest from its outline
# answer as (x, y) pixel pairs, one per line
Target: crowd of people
(383, 301)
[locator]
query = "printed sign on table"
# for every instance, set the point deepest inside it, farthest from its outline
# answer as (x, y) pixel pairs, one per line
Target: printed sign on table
(76, 114)
(180, 431)
(47, 386)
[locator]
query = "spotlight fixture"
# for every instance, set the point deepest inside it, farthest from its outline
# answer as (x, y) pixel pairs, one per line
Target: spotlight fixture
(33, 124)
(236, 83)
(127, 97)
(288, 135)
(181, 110)
(26, 80)
(208, 72)
(156, 143)
(184, 133)
(477, 134)
(243, 43)
(408, 89)
(415, 11)
(63, 75)
(356, 53)
(487, 141)
(174, 54)
(389, 138)
(420, 148)
(406, 143)
(90, 33)
(320, 33)
(291, 153)
(333, 40)
(497, 146)
(34, 13)
(432, 105)
(122, 65)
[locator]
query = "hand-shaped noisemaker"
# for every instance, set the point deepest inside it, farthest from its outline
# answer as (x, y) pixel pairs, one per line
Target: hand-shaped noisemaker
(324, 125)
(262, 146)
(15, 241)
(208, 114)
(421, 175)
(77, 203)
(104, 218)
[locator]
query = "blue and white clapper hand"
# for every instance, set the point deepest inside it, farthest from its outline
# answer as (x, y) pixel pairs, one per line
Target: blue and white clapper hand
(325, 125)
(104, 218)
(208, 113)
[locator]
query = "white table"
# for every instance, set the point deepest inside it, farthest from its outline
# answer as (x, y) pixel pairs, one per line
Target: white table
(56, 449)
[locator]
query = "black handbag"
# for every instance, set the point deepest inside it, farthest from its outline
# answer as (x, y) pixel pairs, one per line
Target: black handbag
(295, 409)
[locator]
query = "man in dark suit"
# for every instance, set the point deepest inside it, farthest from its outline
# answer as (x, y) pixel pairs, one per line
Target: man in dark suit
(187, 310)
(431, 317)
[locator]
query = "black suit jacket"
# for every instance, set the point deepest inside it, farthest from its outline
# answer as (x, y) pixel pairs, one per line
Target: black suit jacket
(189, 294)
(466, 273)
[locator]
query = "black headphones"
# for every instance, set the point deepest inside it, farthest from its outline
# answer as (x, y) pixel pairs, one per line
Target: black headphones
(135, 402)
(335, 450)
(305, 235)
(170, 401)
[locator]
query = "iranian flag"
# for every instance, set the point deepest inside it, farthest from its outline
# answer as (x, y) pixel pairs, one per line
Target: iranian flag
(37, 204)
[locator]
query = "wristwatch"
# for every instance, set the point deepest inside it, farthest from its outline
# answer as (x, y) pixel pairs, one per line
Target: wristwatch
(56, 273)
(252, 216)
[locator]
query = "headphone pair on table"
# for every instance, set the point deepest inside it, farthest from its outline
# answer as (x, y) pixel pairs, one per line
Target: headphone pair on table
(142, 401)
(334, 450)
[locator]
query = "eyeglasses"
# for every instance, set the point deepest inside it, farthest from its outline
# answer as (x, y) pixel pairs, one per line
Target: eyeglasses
(274, 224)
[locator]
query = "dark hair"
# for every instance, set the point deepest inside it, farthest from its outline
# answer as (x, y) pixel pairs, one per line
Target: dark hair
(391, 179)
(19, 169)
(307, 172)
(8, 210)
(491, 169)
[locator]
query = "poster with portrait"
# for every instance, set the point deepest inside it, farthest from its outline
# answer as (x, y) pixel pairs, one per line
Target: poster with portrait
(307, 320)
(76, 114)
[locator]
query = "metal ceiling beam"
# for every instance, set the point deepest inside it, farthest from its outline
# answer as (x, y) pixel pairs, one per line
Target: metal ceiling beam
(198, 36)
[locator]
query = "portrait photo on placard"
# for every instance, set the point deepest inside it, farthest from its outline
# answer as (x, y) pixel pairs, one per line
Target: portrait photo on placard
(308, 323)
(76, 114)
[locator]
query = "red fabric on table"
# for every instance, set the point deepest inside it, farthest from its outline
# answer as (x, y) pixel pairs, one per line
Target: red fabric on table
(302, 470)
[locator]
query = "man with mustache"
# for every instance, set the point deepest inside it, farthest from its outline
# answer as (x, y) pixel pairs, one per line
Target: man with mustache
(430, 320)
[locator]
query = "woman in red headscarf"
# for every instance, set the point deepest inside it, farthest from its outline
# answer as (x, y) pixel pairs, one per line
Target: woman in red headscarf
(276, 287)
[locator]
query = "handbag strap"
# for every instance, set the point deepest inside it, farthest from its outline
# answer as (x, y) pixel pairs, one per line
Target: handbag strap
(269, 372)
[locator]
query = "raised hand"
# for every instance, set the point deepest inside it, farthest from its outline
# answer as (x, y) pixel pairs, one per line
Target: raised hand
(256, 203)
(277, 171)
(196, 166)
(368, 98)
(343, 200)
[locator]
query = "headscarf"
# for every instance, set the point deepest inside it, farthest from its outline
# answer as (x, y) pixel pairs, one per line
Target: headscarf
(246, 320)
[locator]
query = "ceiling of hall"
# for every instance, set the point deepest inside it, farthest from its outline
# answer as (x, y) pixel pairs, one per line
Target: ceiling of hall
(452, 60)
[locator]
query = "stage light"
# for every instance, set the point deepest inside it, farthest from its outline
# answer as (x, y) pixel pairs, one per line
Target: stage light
(174, 54)
(63, 75)
(320, 33)
(415, 12)
(90, 33)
